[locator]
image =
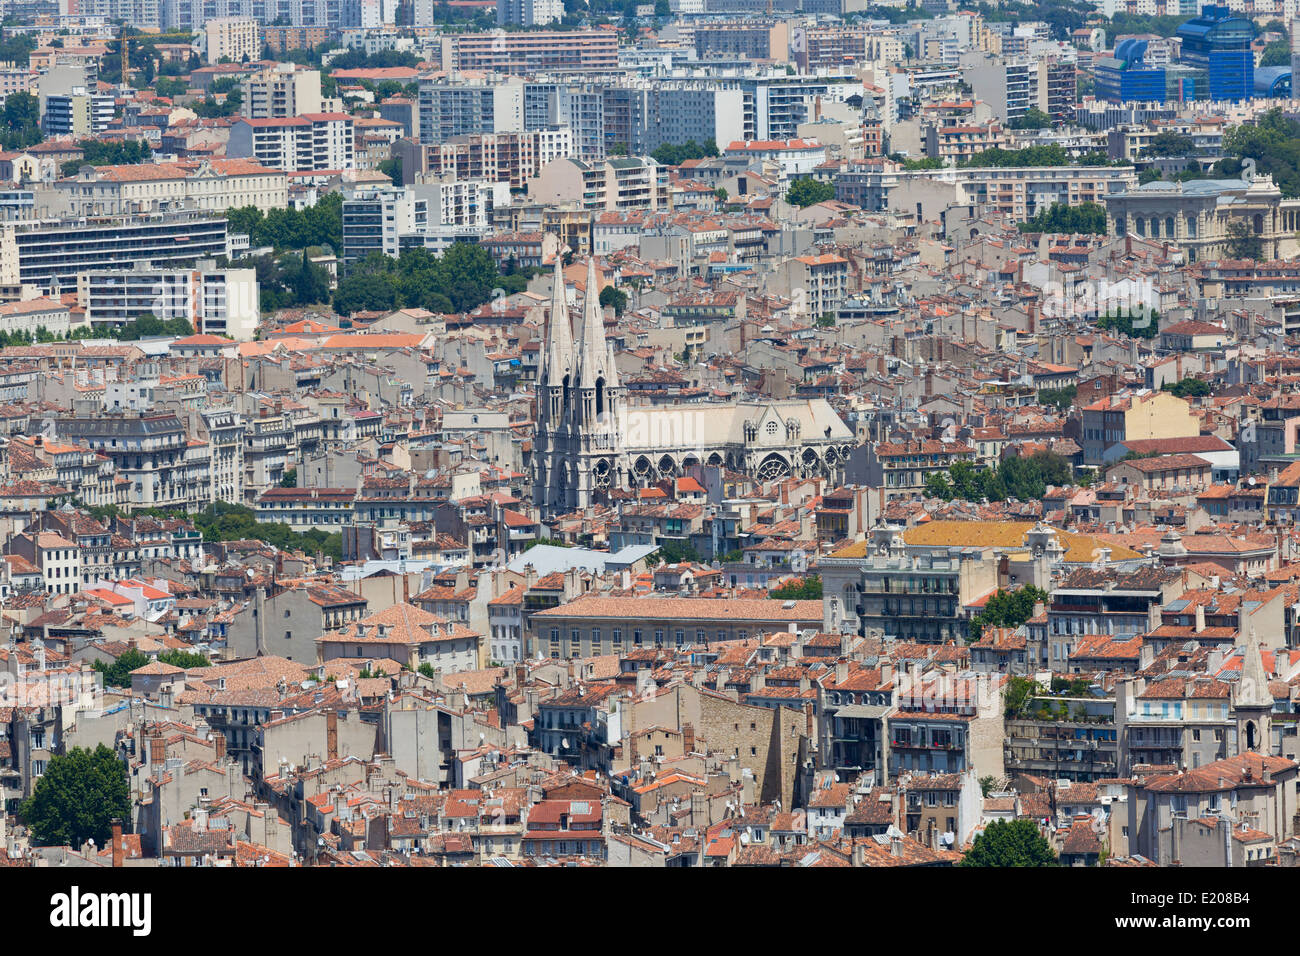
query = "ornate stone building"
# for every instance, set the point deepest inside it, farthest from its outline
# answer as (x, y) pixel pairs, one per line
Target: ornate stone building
(590, 440)
(1196, 215)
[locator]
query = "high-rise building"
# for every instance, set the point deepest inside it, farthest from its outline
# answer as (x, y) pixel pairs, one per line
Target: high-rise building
(532, 51)
(1216, 46)
(236, 39)
(529, 13)
(1125, 77)
(284, 90)
(451, 107)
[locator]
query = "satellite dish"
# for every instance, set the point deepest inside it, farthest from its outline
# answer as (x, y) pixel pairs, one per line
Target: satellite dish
(564, 742)
(744, 838)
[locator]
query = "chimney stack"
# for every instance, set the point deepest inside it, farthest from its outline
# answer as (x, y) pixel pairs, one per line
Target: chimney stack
(119, 852)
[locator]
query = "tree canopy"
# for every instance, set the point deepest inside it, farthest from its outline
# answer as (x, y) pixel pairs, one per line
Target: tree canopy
(77, 798)
(1273, 141)
(671, 155)
(1007, 609)
(1010, 843)
(281, 229)
(1032, 118)
(806, 191)
(460, 279)
(1025, 479)
(807, 589)
(1086, 217)
(1188, 387)
(1132, 323)
(118, 673)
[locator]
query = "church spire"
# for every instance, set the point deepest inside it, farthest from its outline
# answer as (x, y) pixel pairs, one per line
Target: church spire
(559, 335)
(592, 348)
(1253, 688)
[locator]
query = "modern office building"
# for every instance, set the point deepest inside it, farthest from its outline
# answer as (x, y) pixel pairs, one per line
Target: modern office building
(1125, 77)
(1217, 46)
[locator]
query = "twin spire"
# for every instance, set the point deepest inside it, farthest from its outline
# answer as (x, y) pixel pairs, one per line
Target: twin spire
(594, 357)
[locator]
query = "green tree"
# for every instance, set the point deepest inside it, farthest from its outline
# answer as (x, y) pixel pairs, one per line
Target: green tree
(1169, 143)
(427, 669)
(1135, 325)
(610, 296)
(1007, 609)
(674, 552)
(1032, 118)
(77, 798)
(806, 191)
(807, 589)
(185, 659)
(392, 168)
(289, 479)
(1086, 217)
(1277, 53)
(1243, 243)
(1188, 387)
(1010, 843)
(1017, 695)
(1061, 398)
(118, 674)
(987, 783)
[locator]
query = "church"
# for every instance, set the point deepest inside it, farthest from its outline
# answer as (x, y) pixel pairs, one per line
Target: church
(590, 440)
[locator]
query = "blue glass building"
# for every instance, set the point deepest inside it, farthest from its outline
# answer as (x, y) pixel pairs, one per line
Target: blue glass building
(1125, 76)
(1217, 46)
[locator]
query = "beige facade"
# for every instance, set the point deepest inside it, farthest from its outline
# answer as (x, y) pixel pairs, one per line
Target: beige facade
(234, 39)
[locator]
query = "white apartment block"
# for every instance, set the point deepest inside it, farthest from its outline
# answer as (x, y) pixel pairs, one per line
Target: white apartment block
(310, 142)
(214, 301)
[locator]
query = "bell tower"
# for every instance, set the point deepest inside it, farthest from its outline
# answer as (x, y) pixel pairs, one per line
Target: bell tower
(1252, 703)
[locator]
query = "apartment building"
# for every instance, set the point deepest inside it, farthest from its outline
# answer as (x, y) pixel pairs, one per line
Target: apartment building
(78, 114)
(512, 158)
(1134, 416)
(534, 51)
(283, 91)
(449, 107)
(214, 301)
(817, 284)
(310, 142)
(633, 182)
(883, 586)
(529, 13)
(388, 219)
(589, 626)
(232, 39)
(43, 252)
(151, 452)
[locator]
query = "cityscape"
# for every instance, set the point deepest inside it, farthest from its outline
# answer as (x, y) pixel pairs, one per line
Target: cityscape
(696, 433)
